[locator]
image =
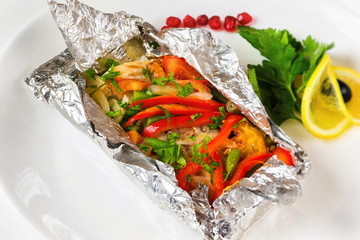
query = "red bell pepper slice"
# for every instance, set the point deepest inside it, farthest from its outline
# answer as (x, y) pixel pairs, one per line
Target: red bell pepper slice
(284, 156)
(158, 127)
(174, 109)
(246, 165)
(218, 178)
(187, 101)
(180, 68)
(189, 169)
(225, 131)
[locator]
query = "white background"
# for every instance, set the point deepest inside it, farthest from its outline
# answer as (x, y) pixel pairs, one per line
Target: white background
(329, 208)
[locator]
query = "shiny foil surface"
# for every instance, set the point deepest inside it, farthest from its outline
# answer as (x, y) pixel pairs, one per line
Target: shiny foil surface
(91, 34)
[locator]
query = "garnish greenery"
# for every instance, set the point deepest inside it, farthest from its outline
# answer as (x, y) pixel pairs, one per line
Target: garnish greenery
(194, 117)
(147, 73)
(110, 62)
(193, 137)
(182, 91)
(167, 114)
(90, 73)
(129, 111)
(113, 114)
(168, 151)
(217, 121)
(143, 147)
(286, 59)
(238, 123)
(110, 75)
(200, 152)
(92, 93)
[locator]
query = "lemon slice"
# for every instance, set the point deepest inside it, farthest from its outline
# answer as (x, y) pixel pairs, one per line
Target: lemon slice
(352, 79)
(323, 110)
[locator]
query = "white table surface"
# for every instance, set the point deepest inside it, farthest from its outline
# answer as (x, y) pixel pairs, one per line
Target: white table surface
(14, 15)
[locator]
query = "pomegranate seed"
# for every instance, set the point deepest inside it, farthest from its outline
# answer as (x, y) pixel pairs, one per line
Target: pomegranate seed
(230, 23)
(244, 18)
(173, 22)
(202, 20)
(189, 21)
(215, 22)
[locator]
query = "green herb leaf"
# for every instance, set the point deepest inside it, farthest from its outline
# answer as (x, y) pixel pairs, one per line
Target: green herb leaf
(129, 111)
(183, 91)
(92, 93)
(110, 62)
(147, 73)
(123, 105)
(197, 155)
(172, 137)
(161, 81)
(217, 121)
(194, 117)
(114, 83)
(143, 147)
(238, 123)
(168, 151)
(167, 113)
(113, 114)
(90, 73)
(110, 74)
(193, 137)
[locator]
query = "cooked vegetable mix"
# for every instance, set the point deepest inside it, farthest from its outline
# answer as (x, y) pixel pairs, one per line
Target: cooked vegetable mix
(173, 114)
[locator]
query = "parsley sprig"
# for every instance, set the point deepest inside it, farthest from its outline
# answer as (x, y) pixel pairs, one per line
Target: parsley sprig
(167, 151)
(92, 93)
(110, 76)
(182, 91)
(195, 117)
(90, 73)
(147, 73)
(110, 62)
(167, 113)
(217, 121)
(129, 111)
(200, 152)
(286, 60)
(113, 114)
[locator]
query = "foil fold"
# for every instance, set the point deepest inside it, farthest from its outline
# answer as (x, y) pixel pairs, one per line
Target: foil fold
(90, 34)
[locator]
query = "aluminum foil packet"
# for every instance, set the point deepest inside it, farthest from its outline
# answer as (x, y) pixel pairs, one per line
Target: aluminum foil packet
(91, 34)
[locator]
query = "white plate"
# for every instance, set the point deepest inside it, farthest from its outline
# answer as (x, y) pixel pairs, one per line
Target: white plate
(66, 188)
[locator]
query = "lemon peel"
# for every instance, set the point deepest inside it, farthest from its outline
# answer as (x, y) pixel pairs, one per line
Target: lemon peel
(352, 79)
(323, 110)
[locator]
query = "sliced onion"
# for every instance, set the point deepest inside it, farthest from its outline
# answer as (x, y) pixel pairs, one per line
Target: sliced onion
(201, 95)
(163, 90)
